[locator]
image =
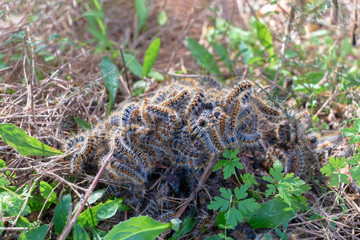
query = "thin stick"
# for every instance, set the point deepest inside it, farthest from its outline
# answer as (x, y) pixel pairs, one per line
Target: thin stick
(126, 71)
(67, 229)
(327, 101)
(25, 202)
(283, 46)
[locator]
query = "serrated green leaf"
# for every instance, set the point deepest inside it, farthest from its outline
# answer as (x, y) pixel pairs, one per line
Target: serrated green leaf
(227, 154)
(241, 193)
(233, 216)
(271, 190)
(142, 227)
(82, 123)
(23, 143)
(133, 64)
(249, 179)
(355, 173)
(271, 214)
(61, 213)
(220, 164)
(38, 233)
(265, 38)
(111, 74)
(226, 193)
(80, 233)
(355, 160)
(334, 180)
(202, 56)
(141, 13)
(219, 203)
(45, 190)
(344, 178)
(248, 205)
(150, 56)
(3, 181)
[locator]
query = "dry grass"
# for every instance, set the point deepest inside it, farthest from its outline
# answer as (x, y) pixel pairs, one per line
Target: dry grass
(42, 97)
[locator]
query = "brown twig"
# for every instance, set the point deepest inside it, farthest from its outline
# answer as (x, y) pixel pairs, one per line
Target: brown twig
(67, 229)
(25, 202)
(128, 91)
(202, 180)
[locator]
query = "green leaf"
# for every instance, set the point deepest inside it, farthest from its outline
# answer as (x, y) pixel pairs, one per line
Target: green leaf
(82, 123)
(248, 205)
(23, 143)
(3, 181)
(162, 18)
(80, 233)
(93, 13)
(45, 190)
(276, 171)
(141, 13)
(223, 54)
(133, 64)
(355, 160)
(202, 56)
(96, 195)
(61, 213)
(214, 237)
(188, 225)
(241, 193)
(355, 173)
(97, 234)
(233, 216)
(108, 210)
(222, 203)
(156, 75)
(88, 217)
(2, 164)
(271, 214)
(142, 227)
(249, 179)
(150, 56)
(38, 233)
(175, 222)
(11, 204)
(265, 38)
(111, 74)
(23, 222)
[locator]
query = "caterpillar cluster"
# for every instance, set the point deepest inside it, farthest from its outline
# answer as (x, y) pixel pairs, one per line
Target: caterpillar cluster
(173, 133)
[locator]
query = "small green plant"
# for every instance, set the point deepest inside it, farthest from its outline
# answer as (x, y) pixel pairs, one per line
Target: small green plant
(334, 167)
(236, 205)
(145, 70)
(94, 15)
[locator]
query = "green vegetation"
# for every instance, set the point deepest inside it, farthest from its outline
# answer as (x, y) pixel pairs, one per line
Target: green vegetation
(324, 73)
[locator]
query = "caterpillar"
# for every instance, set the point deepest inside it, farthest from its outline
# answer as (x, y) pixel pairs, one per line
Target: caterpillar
(234, 93)
(259, 104)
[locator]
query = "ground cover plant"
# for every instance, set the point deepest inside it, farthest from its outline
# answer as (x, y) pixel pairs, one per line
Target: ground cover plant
(66, 67)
